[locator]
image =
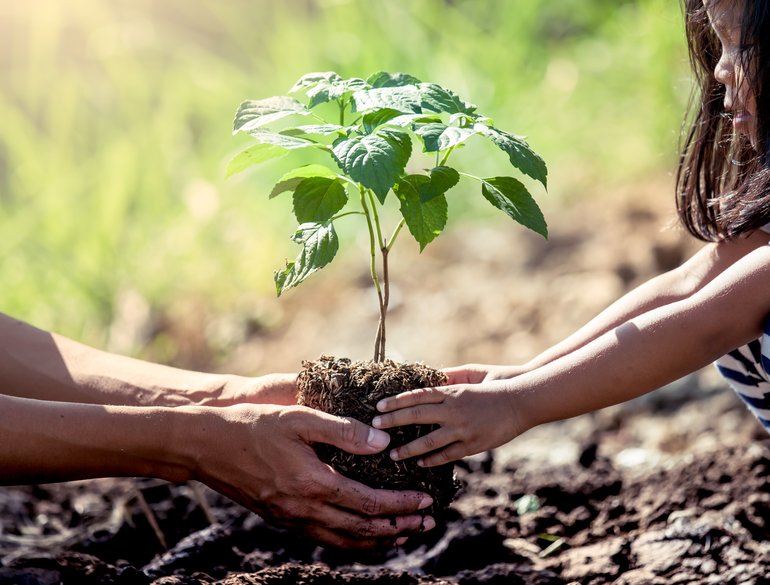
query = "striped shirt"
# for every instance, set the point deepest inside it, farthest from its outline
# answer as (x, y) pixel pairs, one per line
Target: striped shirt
(746, 369)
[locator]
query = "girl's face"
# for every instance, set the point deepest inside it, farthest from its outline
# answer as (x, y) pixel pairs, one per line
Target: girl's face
(725, 19)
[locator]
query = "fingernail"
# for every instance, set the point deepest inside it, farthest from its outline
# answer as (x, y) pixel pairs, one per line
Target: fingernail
(381, 405)
(377, 422)
(394, 454)
(378, 439)
(401, 541)
(421, 463)
(425, 502)
(428, 523)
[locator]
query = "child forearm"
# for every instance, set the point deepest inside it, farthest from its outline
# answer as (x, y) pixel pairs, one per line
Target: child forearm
(654, 348)
(666, 288)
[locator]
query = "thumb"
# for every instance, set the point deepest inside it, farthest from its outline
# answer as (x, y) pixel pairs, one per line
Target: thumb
(348, 434)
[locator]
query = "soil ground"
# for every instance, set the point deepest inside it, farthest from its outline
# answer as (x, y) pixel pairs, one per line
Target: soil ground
(669, 488)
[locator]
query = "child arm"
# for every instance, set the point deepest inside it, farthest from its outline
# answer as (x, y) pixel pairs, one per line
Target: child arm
(671, 286)
(643, 353)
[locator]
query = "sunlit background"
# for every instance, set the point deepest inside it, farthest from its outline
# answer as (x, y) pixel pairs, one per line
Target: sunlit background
(115, 120)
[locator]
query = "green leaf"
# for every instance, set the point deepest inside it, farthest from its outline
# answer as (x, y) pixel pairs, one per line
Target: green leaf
(442, 179)
(374, 160)
(437, 137)
(376, 118)
(253, 156)
(294, 177)
(385, 79)
(323, 129)
(425, 220)
(512, 197)
(439, 99)
(313, 79)
(463, 119)
(253, 114)
(406, 99)
(520, 154)
(283, 140)
(328, 91)
(319, 246)
(317, 199)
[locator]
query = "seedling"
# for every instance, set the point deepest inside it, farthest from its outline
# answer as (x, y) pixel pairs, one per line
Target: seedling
(367, 127)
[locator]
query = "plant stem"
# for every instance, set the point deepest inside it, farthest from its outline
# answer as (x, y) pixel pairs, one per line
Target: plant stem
(446, 156)
(376, 217)
(385, 297)
(336, 217)
(395, 234)
(378, 356)
(341, 103)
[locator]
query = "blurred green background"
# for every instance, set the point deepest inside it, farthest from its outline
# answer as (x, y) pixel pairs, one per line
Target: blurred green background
(116, 118)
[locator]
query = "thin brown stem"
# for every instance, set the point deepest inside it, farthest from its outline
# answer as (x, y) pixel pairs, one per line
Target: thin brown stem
(378, 353)
(386, 298)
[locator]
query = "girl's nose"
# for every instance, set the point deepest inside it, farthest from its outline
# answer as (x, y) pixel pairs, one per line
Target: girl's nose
(722, 71)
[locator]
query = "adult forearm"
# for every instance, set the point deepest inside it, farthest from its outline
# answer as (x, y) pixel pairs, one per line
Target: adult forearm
(47, 441)
(47, 366)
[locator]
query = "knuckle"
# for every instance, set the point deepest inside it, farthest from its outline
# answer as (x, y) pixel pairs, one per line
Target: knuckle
(429, 441)
(347, 431)
(364, 528)
(371, 506)
(308, 486)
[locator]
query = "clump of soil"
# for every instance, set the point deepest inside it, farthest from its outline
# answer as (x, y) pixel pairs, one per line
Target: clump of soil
(352, 389)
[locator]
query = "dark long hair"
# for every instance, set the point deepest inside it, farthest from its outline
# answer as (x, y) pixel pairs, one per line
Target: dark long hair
(723, 183)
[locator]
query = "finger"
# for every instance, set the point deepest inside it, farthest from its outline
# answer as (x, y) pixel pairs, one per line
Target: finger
(336, 539)
(412, 398)
(422, 414)
(433, 441)
(350, 524)
(467, 374)
(356, 497)
(348, 434)
(453, 452)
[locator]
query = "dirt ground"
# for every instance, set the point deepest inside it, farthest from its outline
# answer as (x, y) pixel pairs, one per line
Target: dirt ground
(670, 488)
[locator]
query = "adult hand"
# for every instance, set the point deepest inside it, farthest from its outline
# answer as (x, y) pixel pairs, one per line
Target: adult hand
(261, 457)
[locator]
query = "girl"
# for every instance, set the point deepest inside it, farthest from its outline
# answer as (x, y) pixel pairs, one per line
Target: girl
(675, 323)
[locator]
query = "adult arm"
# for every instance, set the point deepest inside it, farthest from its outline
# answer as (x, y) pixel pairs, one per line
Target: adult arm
(47, 366)
(258, 455)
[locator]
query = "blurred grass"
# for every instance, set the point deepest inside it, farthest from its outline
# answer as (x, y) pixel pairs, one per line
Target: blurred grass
(116, 116)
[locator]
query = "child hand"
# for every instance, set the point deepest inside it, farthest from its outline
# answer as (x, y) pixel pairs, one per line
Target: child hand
(477, 373)
(472, 418)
